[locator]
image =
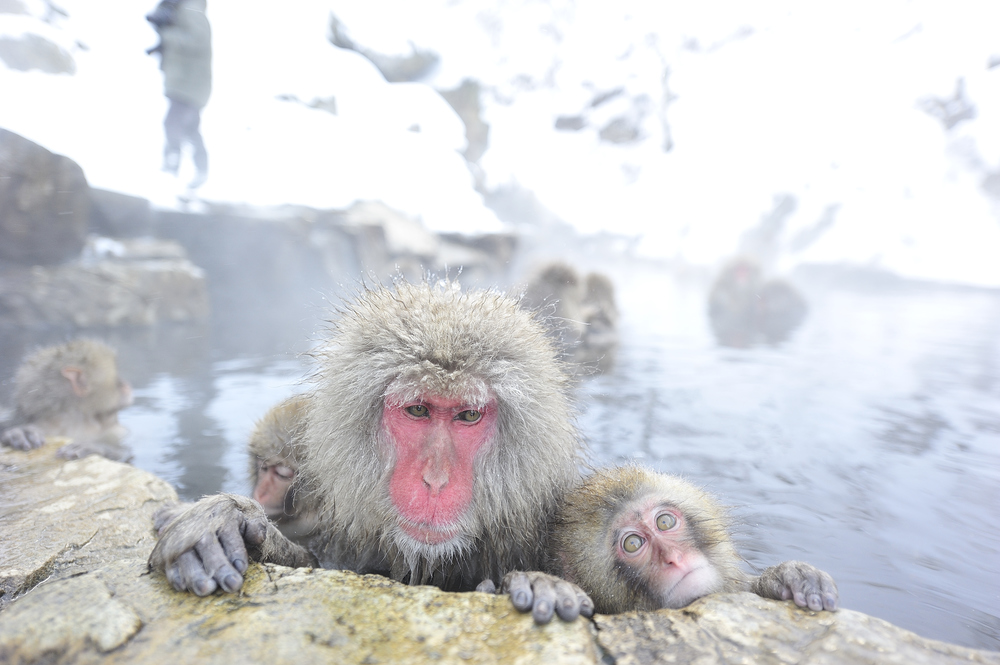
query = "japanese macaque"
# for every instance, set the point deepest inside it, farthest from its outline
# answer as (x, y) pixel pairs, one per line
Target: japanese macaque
(438, 440)
(638, 540)
(71, 390)
(584, 310)
(744, 309)
(274, 467)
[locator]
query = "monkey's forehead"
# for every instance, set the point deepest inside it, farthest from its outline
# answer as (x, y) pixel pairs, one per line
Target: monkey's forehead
(424, 385)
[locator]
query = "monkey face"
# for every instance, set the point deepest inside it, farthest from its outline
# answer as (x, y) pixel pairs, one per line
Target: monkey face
(273, 487)
(654, 540)
(435, 441)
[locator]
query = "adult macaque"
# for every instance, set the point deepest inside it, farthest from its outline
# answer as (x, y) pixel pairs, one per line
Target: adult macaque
(71, 390)
(638, 540)
(274, 466)
(438, 439)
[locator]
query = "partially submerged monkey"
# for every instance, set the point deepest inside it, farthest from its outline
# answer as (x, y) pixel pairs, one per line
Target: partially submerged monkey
(70, 390)
(638, 540)
(438, 440)
(274, 466)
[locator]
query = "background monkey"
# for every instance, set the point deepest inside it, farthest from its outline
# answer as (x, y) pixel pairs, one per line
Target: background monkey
(71, 390)
(438, 440)
(638, 540)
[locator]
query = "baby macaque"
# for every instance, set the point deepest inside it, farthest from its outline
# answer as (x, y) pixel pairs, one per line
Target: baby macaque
(638, 540)
(274, 466)
(71, 390)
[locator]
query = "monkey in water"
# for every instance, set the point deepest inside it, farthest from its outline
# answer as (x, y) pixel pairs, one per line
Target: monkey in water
(638, 540)
(438, 438)
(71, 390)
(744, 308)
(274, 467)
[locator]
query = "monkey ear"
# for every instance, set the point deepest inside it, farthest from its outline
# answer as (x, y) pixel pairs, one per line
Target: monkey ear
(76, 380)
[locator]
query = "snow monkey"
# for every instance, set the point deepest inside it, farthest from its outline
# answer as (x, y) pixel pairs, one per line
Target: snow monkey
(638, 540)
(71, 390)
(438, 440)
(274, 466)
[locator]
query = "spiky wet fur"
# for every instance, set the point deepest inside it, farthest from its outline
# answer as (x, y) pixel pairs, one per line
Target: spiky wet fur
(398, 343)
(583, 537)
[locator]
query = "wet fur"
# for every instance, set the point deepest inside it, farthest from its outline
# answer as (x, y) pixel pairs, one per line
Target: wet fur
(395, 344)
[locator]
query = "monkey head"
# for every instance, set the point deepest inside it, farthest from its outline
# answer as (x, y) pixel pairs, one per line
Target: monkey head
(653, 541)
(440, 428)
(637, 540)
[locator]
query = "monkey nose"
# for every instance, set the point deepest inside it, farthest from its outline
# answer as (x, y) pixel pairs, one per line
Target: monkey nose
(435, 480)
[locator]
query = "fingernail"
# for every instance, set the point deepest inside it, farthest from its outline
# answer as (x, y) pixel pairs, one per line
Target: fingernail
(520, 598)
(240, 565)
(231, 583)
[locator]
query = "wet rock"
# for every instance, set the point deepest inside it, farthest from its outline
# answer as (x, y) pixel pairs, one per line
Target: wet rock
(31, 51)
(744, 628)
(108, 292)
(44, 203)
(61, 518)
(119, 215)
(85, 528)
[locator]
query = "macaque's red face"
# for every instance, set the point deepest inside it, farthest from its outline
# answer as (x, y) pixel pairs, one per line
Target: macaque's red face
(274, 479)
(436, 441)
(653, 538)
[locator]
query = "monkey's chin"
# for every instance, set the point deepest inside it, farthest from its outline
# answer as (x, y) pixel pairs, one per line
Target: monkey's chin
(696, 583)
(429, 535)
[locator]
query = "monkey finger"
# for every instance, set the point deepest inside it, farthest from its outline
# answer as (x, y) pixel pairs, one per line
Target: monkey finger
(192, 574)
(828, 590)
(586, 604)
(567, 602)
(216, 565)
(233, 546)
(518, 587)
(545, 599)
(254, 529)
(486, 586)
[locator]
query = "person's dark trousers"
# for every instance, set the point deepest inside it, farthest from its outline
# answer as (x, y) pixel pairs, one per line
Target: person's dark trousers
(182, 124)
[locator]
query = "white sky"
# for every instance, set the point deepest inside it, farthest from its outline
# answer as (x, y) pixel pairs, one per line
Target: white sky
(816, 100)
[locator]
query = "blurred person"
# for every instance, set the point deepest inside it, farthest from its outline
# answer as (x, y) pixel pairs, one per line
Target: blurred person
(185, 50)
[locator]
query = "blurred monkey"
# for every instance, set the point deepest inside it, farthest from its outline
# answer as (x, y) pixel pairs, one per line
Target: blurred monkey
(71, 390)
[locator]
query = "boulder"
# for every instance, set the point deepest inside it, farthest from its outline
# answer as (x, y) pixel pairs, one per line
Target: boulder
(106, 292)
(63, 518)
(119, 215)
(30, 51)
(84, 527)
(44, 203)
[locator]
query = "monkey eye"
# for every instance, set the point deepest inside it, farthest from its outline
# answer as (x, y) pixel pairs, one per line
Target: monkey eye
(666, 522)
(284, 472)
(470, 416)
(632, 542)
(418, 410)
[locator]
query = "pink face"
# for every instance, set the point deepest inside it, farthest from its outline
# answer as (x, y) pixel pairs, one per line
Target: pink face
(653, 538)
(436, 441)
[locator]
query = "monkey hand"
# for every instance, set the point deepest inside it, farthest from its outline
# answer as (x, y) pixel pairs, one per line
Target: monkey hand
(80, 449)
(25, 437)
(544, 594)
(806, 585)
(204, 545)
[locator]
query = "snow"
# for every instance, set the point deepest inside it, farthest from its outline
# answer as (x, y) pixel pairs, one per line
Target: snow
(818, 101)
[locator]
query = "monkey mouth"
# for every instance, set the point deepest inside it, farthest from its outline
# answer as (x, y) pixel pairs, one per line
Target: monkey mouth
(427, 534)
